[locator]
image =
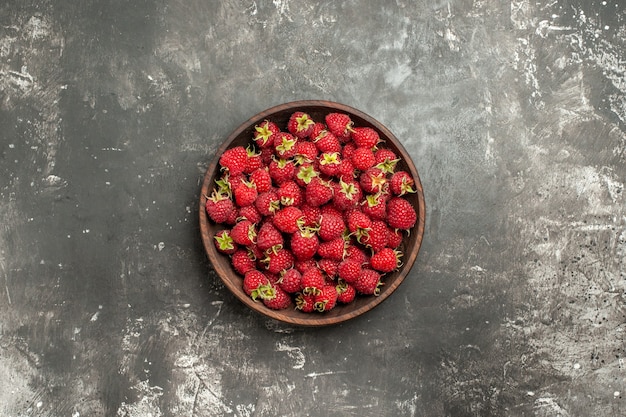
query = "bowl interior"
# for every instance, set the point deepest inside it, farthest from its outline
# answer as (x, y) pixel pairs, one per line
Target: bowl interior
(410, 246)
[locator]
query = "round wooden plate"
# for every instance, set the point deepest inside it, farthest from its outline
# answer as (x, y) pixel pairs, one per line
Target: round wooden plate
(362, 304)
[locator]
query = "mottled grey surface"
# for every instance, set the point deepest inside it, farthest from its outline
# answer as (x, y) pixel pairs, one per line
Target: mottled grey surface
(514, 112)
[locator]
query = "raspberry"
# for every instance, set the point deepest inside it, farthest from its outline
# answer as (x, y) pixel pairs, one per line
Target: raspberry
(349, 270)
(363, 158)
(224, 242)
(304, 244)
(326, 299)
(401, 183)
(318, 192)
(368, 283)
(276, 298)
(300, 124)
(400, 213)
(234, 160)
(365, 136)
(243, 232)
(385, 260)
(331, 226)
(287, 219)
(289, 280)
(242, 261)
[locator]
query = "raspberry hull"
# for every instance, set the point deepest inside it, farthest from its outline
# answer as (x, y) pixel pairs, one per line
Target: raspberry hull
(314, 195)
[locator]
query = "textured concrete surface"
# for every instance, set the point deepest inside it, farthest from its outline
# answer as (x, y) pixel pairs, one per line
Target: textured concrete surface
(514, 112)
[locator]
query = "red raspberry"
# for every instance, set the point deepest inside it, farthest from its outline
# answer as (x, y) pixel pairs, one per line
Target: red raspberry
(300, 124)
(224, 243)
(368, 283)
(290, 194)
(333, 249)
(375, 206)
(377, 237)
(402, 183)
(220, 208)
(261, 178)
(242, 261)
(363, 158)
(287, 219)
(263, 134)
(289, 280)
(268, 237)
(305, 302)
(312, 215)
(304, 244)
(385, 260)
(329, 267)
(318, 192)
(312, 281)
(276, 298)
(245, 194)
(251, 213)
(305, 173)
(358, 222)
(329, 163)
(285, 145)
(386, 160)
(255, 284)
(395, 238)
(281, 170)
(306, 151)
(365, 136)
(327, 142)
(400, 214)
(346, 194)
(234, 160)
(326, 299)
(356, 253)
(254, 160)
(345, 170)
(331, 226)
(276, 261)
(373, 180)
(339, 124)
(243, 232)
(304, 264)
(345, 292)
(349, 270)
(267, 203)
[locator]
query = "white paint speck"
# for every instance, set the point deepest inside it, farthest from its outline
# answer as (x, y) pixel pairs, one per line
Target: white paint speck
(294, 352)
(95, 316)
(11, 146)
(39, 404)
(161, 246)
(398, 74)
(576, 366)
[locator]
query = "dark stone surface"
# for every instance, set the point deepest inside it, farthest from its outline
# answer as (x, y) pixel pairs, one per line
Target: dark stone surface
(514, 112)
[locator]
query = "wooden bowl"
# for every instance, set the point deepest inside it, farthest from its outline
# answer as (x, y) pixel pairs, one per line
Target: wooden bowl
(362, 304)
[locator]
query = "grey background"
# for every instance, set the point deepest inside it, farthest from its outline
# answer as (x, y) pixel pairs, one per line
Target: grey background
(513, 111)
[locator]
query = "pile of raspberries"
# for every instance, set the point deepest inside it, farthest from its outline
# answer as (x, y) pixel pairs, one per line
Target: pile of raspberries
(313, 214)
